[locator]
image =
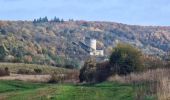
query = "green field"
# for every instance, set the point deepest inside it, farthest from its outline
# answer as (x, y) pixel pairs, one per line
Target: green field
(17, 90)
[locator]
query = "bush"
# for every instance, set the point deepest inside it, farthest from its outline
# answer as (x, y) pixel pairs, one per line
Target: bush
(38, 71)
(87, 72)
(102, 72)
(69, 66)
(126, 59)
(25, 71)
(69, 77)
(94, 72)
(56, 78)
(4, 72)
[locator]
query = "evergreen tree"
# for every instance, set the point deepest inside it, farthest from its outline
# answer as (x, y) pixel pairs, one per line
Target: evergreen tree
(35, 21)
(45, 19)
(62, 21)
(56, 19)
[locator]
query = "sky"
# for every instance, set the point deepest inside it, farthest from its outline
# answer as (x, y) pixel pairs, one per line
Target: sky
(134, 12)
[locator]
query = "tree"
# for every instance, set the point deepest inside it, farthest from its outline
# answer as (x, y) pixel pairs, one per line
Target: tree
(62, 21)
(34, 21)
(126, 59)
(45, 19)
(56, 19)
(3, 52)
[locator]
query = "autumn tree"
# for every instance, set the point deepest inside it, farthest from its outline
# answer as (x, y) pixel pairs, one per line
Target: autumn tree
(126, 59)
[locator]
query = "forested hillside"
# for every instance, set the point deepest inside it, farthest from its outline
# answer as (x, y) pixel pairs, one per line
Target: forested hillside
(50, 42)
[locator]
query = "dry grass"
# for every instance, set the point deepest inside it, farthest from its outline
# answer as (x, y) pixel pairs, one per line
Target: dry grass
(13, 67)
(164, 89)
(158, 81)
(27, 78)
(28, 72)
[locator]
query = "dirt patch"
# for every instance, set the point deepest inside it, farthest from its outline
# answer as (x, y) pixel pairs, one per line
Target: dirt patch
(28, 78)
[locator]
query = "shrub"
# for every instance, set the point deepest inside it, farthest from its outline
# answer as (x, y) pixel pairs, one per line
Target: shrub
(87, 72)
(69, 66)
(102, 72)
(25, 71)
(56, 78)
(72, 76)
(38, 71)
(126, 59)
(94, 72)
(4, 72)
(68, 77)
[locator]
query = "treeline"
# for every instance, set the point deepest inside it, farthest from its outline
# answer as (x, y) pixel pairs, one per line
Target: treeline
(45, 19)
(21, 55)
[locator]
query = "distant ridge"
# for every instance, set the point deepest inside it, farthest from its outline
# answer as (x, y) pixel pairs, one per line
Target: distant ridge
(45, 41)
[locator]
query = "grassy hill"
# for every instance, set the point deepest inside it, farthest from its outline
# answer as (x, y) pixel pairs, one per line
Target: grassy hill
(16, 90)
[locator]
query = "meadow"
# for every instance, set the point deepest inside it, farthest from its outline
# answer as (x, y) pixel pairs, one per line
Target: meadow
(17, 90)
(147, 85)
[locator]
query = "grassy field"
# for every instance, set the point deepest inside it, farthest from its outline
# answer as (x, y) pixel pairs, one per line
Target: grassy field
(16, 90)
(13, 67)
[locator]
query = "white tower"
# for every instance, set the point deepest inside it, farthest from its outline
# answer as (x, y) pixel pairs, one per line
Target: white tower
(93, 44)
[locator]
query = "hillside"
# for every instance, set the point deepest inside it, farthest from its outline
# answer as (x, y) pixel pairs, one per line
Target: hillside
(51, 42)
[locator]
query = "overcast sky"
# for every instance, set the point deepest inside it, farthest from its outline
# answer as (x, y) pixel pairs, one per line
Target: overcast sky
(141, 12)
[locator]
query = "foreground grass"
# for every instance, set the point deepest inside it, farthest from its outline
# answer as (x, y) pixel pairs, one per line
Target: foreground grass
(16, 90)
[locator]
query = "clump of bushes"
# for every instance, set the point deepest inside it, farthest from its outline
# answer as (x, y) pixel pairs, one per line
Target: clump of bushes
(69, 66)
(94, 72)
(4, 72)
(69, 77)
(29, 72)
(25, 71)
(38, 71)
(57, 78)
(87, 72)
(103, 71)
(123, 60)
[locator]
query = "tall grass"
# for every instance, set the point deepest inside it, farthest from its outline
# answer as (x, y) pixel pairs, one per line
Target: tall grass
(164, 89)
(157, 83)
